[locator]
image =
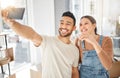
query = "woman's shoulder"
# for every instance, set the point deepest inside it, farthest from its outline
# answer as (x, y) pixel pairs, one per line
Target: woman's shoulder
(107, 40)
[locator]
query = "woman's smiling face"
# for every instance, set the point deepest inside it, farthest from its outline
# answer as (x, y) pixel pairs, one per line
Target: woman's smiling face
(86, 26)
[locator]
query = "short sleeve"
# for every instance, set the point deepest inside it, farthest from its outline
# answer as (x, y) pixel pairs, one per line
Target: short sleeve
(76, 59)
(44, 41)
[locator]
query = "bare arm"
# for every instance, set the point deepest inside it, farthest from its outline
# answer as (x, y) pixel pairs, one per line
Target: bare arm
(105, 53)
(78, 43)
(75, 73)
(22, 30)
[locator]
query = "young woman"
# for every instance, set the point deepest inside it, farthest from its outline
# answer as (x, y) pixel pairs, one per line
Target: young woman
(96, 51)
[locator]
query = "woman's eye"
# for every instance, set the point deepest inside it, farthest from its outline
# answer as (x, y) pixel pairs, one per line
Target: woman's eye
(86, 23)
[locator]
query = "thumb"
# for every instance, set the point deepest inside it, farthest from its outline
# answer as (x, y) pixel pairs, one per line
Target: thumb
(4, 13)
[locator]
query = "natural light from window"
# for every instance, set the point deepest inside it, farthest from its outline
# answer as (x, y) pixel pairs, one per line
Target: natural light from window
(6, 3)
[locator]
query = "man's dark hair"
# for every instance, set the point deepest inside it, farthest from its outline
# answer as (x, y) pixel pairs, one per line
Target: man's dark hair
(69, 14)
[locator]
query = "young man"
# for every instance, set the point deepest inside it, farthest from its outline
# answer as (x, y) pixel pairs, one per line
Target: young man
(59, 56)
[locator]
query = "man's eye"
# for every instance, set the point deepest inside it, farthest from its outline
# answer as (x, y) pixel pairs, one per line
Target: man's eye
(68, 24)
(80, 24)
(61, 23)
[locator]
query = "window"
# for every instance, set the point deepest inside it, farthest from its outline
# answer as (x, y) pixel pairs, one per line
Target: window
(107, 15)
(20, 45)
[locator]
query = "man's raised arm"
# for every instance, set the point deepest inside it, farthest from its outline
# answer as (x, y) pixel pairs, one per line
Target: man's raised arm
(22, 30)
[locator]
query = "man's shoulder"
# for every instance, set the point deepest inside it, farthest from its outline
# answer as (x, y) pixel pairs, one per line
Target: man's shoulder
(47, 36)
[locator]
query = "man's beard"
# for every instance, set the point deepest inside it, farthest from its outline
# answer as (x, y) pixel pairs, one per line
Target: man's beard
(67, 35)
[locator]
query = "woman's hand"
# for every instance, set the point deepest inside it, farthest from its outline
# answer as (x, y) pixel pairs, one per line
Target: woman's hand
(88, 38)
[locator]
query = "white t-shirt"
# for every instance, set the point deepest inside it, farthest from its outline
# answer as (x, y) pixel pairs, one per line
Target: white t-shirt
(58, 58)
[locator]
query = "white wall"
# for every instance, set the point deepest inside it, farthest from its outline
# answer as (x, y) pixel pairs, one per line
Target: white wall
(0, 23)
(41, 17)
(60, 7)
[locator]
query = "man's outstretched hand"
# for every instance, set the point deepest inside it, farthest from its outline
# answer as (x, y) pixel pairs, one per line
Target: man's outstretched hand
(4, 14)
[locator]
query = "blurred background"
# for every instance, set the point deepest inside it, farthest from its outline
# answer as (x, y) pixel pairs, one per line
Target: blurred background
(44, 16)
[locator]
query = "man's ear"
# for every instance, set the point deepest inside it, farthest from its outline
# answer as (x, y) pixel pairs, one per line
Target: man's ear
(74, 28)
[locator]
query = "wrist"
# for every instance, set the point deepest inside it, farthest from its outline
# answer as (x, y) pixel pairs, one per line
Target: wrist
(12, 22)
(99, 51)
(97, 47)
(95, 43)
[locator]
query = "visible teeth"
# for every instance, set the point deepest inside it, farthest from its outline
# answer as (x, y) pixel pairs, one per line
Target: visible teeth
(83, 30)
(63, 30)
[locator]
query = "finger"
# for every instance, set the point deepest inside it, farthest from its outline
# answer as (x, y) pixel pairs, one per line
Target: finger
(4, 13)
(82, 37)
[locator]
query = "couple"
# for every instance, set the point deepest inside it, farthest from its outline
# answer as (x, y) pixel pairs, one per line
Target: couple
(60, 57)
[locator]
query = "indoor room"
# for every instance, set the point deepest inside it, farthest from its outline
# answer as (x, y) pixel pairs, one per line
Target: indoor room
(20, 58)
